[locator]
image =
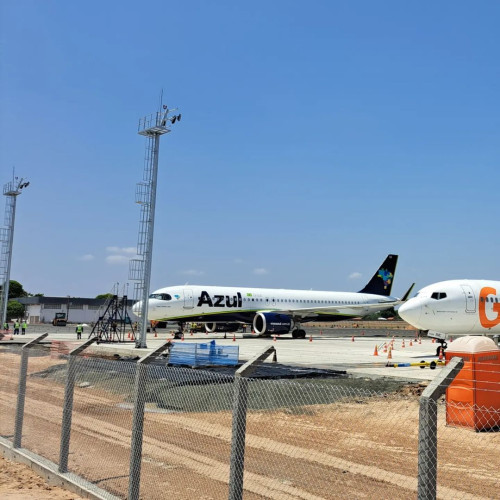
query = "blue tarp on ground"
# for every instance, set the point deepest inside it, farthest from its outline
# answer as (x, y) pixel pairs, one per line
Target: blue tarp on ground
(205, 354)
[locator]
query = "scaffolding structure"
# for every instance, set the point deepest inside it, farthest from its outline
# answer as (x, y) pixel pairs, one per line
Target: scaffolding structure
(152, 127)
(11, 190)
(114, 323)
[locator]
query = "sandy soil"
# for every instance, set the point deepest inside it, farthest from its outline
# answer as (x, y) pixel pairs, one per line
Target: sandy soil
(355, 447)
(19, 482)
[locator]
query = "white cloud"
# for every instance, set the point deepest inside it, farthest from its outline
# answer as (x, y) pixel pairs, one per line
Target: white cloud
(86, 258)
(117, 259)
(355, 275)
(260, 270)
(192, 272)
(121, 250)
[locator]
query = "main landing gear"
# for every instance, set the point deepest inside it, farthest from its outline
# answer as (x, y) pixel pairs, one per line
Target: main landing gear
(299, 334)
(180, 332)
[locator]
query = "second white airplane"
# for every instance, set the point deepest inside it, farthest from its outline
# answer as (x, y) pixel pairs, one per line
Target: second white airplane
(458, 307)
(270, 311)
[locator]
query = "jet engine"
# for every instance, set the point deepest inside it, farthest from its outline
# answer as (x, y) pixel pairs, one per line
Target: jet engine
(268, 323)
(221, 327)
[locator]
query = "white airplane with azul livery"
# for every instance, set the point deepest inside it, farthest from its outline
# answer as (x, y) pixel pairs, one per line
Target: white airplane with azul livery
(270, 311)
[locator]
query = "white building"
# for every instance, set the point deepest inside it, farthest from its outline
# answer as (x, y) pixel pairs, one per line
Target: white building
(77, 310)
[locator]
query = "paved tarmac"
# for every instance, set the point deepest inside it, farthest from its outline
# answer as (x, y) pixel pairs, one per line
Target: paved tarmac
(352, 350)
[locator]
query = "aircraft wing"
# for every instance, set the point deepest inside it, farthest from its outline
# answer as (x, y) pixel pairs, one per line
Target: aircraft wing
(361, 309)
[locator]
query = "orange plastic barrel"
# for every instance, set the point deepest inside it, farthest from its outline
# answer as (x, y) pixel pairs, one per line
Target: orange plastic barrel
(473, 398)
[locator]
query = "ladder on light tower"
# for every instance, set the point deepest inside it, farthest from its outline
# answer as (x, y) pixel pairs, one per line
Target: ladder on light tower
(152, 127)
(11, 190)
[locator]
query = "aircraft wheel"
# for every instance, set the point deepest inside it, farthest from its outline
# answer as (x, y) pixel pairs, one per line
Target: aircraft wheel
(301, 334)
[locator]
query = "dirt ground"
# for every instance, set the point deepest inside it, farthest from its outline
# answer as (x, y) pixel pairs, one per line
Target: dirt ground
(19, 482)
(350, 445)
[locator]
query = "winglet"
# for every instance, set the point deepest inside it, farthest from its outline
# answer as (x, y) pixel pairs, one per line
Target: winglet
(406, 296)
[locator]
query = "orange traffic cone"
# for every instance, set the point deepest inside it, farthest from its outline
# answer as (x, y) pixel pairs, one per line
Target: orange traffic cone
(389, 354)
(375, 353)
(440, 354)
(274, 338)
(451, 339)
(433, 341)
(234, 337)
(253, 331)
(403, 344)
(128, 334)
(411, 343)
(156, 335)
(310, 338)
(352, 338)
(182, 338)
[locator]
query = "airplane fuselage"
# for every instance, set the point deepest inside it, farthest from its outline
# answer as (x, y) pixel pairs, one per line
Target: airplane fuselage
(214, 303)
(456, 307)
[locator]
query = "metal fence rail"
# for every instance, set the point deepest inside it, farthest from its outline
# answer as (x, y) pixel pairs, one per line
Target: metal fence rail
(206, 434)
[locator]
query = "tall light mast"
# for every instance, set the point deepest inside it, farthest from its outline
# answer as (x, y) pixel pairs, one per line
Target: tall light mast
(152, 127)
(11, 190)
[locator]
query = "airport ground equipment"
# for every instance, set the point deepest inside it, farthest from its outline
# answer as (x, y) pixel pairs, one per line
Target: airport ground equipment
(60, 319)
(152, 127)
(11, 190)
(114, 324)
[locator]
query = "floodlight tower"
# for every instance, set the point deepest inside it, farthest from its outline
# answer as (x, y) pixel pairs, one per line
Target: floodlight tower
(12, 190)
(152, 127)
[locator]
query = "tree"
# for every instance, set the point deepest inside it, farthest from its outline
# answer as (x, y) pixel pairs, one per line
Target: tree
(16, 290)
(105, 296)
(14, 309)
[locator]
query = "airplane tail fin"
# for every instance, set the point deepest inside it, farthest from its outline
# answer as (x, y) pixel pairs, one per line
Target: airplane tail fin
(381, 282)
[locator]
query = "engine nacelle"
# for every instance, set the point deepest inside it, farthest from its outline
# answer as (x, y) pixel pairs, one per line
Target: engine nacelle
(267, 323)
(221, 327)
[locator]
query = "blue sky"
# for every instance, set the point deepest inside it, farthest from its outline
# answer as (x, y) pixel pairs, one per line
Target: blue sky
(315, 139)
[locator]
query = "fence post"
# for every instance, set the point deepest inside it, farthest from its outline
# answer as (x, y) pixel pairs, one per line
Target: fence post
(240, 401)
(427, 429)
(21, 393)
(138, 421)
(68, 404)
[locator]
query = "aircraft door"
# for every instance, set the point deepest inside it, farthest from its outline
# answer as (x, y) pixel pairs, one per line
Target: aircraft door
(188, 299)
(470, 299)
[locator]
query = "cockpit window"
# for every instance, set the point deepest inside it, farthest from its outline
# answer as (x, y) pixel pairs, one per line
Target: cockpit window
(160, 296)
(438, 295)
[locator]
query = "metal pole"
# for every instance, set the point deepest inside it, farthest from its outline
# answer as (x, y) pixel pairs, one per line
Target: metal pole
(21, 393)
(68, 404)
(427, 429)
(237, 463)
(138, 421)
(9, 262)
(240, 404)
(149, 243)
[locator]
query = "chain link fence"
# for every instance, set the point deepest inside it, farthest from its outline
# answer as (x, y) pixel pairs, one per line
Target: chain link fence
(202, 433)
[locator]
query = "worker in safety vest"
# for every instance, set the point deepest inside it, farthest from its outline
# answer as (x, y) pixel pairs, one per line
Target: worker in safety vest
(79, 331)
(23, 328)
(16, 327)
(6, 326)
